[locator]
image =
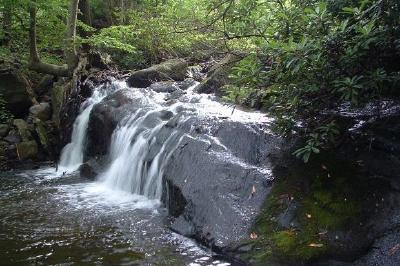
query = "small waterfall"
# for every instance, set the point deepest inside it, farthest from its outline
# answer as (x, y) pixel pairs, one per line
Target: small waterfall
(137, 157)
(72, 153)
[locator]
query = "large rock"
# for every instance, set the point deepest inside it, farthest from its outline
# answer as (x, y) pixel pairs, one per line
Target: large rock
(41, 111)
(174, 69)
(15, 93)
(23, 129)
(27, 150)
(57, 100)
(41, 132)
(218, 76)
(215, 181)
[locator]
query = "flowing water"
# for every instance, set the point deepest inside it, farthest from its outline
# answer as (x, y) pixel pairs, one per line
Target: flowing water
(52, 216)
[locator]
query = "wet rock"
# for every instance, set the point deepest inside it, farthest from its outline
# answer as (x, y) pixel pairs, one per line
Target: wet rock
(186, 84)
(15, 93)
(86, 171)
(174, 69)
(57, 100)
(100, 60)
(13, 137)
(41, 131)
(27, 150)
(4, 129)
(41, 111)
(165, 87)
(23, 129)
(218, 76)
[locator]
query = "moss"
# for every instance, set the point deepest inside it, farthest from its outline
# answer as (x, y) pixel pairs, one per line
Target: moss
(326, 199)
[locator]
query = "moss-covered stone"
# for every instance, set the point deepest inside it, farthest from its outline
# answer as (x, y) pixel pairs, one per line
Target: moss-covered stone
(27, 150)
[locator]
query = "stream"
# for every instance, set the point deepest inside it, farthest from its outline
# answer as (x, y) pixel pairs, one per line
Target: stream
(53, 216)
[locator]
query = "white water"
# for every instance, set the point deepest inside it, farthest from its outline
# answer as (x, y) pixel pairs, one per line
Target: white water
(72, 153)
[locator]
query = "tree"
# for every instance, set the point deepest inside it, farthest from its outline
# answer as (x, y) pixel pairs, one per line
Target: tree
(71, 54)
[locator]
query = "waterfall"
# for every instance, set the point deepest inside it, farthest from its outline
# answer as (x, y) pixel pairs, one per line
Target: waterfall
(72, 154)
(137, 157)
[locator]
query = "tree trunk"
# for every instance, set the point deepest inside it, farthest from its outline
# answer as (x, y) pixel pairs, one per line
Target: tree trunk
(35, 62)
(7, 22)
(86, 13)
(70, 51)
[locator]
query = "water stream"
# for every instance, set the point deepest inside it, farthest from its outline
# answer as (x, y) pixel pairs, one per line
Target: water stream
(52, 216)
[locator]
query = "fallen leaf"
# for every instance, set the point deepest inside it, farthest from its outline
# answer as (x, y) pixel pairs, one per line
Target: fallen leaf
(253, 236)
(308, 215)
(314, 245)
(324, 167)
(394, 250)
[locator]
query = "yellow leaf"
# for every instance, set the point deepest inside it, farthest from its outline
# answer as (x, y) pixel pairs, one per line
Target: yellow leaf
(314, 245)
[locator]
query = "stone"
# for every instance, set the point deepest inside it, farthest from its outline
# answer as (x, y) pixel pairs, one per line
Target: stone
(13, 137)
(41, 111)
(57, 100)
(45, 84)
(173, 69)
(218, 76)
(4, 129)
(40, 129)
(23, 129)
(164, 86)
(27, 150)
(15, 93)
(86, 171)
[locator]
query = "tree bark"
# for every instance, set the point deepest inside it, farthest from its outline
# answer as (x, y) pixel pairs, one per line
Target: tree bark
(86, 13)
(7, 22)
(35, 62)
(70, 51)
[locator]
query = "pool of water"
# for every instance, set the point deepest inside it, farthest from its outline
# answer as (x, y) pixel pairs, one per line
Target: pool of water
(51, 219)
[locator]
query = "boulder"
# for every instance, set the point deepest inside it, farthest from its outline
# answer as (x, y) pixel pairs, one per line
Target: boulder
(218, 76)
(27, 150)
(4, 129)
(41, 111)
(41, 132)
(164, 86)
(15, 94)
(57, 100)
(13, 137)
(174, 69)
(86, 171)
(23, 129)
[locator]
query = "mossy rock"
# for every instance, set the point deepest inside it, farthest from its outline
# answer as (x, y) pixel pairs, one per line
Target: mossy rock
(27, 150)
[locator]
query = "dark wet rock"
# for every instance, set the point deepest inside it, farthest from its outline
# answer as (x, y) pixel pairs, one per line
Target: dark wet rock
(196, 73)
(218, 189)
(27, 150)
(105, 117)
(186, 84)
(100, 60)
(174, 69)
(23, 129)
(86, 171)
(42, 133)
(15, 93)
(13, 137)
(41, 111)
(57, 100)
(165, 87)
(4, 129)
(218, 76)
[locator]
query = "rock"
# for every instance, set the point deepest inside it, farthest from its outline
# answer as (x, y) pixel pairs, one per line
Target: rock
(23, 129)
(57, 100)
(86, 171)
(41, 111)
(44, 85)
(186, 84)
(3, 148)
(42, 134)
(4, 129)
(15, 93)
(164, 86)
(100, 60)
(13, 137)
(27, 150)
(174, 69)
(218, 76)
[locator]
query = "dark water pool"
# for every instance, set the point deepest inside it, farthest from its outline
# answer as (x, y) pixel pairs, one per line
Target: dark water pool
(49, 219)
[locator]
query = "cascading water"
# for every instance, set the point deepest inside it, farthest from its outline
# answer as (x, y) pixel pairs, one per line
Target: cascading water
(72, 153)
(137, 158)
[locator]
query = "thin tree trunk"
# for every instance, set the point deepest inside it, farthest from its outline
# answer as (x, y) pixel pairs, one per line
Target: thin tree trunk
(35, 62)
(7, 22)
(86, 13)
(70, 52)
